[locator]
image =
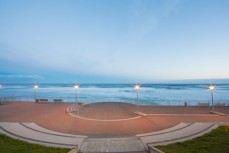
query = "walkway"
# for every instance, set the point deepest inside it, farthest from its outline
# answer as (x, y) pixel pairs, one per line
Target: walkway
(39, 123)
(33, 133)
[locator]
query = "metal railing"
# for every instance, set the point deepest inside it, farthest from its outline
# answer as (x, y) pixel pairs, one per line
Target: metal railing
(115, 99)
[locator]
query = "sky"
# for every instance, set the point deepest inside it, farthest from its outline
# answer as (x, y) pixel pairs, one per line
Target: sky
(113, 41)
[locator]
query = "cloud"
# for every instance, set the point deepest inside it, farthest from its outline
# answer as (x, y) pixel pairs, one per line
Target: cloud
(59, 53)
(21, 76)
(145, 16)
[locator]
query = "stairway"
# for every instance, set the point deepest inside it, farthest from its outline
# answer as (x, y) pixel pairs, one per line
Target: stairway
(141, 143)
(33, 133)
(178, 133)
(111, 145)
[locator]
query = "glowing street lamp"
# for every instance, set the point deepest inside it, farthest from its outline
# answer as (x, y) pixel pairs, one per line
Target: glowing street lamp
(76, 87)
(211, 88)
(137, 88)
(35, 91)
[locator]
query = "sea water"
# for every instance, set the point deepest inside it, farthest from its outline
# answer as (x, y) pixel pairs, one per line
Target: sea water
(149, 94)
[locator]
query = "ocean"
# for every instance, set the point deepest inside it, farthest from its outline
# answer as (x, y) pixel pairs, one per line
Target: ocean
(149, 94)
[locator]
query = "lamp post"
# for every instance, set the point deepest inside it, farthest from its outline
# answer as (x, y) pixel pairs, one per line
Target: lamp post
(35, 91)
(76, 86)
(211, 88)
(137, 88)
(0, 88)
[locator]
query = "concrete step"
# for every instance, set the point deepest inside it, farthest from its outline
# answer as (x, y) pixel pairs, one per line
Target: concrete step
(187, 133)
(35, 127)
(171, 129)
(111, 145)
(18, 131)
(73, 108)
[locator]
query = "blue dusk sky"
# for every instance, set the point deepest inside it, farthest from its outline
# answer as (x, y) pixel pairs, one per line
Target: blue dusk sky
(113, 41)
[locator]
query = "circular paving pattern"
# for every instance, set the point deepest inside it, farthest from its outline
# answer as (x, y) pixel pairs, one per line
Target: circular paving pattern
(106, 111)
(53, 116)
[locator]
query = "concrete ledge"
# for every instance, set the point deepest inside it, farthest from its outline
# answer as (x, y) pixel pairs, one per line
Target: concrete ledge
(218, 113)
(73, 108)
(40, 136)
(177, 127)
(190, 132)
(74, 150)
(140, 113)
(37, 128)
(154, 150)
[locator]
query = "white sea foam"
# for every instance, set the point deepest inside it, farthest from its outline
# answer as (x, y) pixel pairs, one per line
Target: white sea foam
(148, 93)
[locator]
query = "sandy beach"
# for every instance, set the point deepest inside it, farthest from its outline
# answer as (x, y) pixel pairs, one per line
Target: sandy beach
(53, 116)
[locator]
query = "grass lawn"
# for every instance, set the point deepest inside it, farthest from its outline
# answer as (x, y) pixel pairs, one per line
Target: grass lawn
(216, 141)
(9, 145)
